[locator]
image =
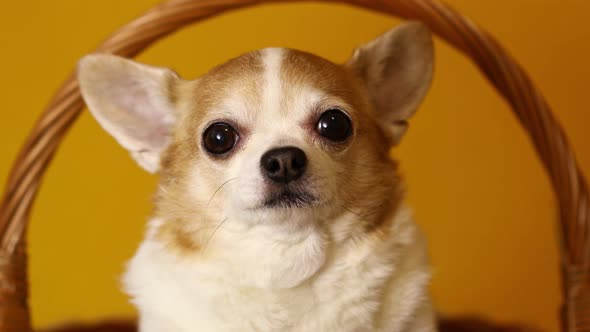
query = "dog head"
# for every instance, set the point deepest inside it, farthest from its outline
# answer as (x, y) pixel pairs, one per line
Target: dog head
(275, 136)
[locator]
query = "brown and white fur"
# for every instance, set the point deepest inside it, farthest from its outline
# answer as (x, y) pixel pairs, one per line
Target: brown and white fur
(215, 256)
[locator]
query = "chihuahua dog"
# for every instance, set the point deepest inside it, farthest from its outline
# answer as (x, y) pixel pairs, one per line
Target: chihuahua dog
(279, 207)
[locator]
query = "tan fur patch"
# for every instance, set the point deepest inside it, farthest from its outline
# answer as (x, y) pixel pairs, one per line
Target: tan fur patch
(195, 100)
(175, 237)
(367, 190)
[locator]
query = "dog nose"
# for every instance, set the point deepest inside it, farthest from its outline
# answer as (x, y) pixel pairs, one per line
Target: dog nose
(283, 165)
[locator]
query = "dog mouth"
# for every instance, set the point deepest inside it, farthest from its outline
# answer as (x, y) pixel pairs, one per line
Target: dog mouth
(287, 199)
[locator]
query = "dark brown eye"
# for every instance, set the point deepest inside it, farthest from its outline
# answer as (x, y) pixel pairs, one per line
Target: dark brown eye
(334, 125)
(219, 138)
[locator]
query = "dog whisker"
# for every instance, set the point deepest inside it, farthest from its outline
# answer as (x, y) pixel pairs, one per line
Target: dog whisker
(218, 188)
(352, 212)
(370, 167)
(213, 233)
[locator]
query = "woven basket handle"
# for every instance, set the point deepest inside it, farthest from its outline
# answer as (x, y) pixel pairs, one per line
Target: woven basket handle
(529, 106)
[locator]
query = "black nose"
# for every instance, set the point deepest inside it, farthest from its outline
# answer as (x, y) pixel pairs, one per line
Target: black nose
(283, 165)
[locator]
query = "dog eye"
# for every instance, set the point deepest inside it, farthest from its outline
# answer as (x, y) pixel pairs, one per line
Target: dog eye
(219, 138)
(334, 125)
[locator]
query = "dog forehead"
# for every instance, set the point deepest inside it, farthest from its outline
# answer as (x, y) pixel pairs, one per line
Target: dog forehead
(236, 78)
(302, 69)
(309, 83)
(269, 82)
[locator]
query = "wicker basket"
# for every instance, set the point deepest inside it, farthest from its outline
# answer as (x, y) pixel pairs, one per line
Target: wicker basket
(500, 69)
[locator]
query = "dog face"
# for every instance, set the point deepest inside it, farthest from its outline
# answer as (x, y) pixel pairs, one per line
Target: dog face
(281, 133)
(275, 136)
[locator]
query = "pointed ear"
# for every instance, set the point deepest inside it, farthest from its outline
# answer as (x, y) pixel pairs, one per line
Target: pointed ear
(397, 70)
(131, 101)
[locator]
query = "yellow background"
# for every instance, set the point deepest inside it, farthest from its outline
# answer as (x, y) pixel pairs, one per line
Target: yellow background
(477, 187)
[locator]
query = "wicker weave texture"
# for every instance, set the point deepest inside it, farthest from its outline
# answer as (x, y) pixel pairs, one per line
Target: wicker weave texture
(513, 84)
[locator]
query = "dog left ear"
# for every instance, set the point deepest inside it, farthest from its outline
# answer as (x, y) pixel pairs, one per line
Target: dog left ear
(397, 70)
(132, 102)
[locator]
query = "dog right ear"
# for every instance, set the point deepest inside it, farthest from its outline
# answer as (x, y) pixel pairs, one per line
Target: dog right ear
(132, 102)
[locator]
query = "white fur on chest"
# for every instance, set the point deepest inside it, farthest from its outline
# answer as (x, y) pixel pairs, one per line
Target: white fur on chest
(300, 285)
